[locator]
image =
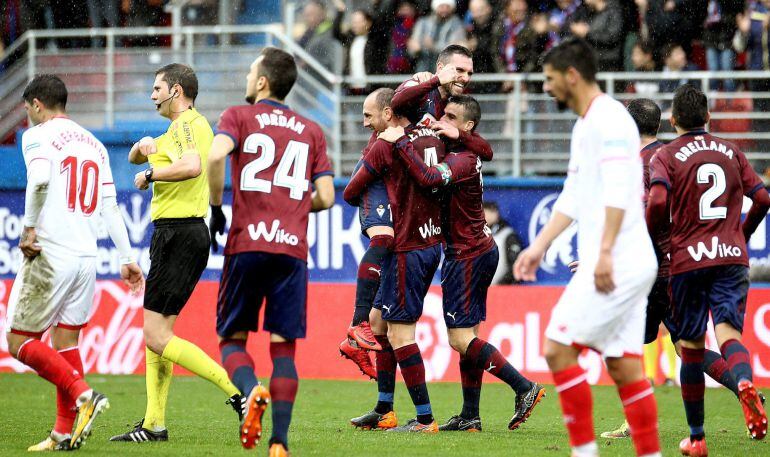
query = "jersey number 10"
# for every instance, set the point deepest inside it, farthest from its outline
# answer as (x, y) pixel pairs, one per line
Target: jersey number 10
(290, 172)
(82, 184)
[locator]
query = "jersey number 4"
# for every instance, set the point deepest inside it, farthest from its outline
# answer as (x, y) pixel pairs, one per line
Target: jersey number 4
(705, 174)
(290, 172)
(82, 184)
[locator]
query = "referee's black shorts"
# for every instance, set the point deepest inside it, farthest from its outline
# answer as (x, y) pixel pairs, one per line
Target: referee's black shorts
(179, 251)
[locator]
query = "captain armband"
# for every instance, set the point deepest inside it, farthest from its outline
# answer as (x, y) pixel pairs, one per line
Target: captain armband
(446, 172)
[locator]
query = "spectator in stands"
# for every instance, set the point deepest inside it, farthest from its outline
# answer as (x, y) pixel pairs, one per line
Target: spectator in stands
(600, 22)
(507, 33)
(359, 55)
(559, 18)
(675, 62)
(752, 37)
(143, 13)
(643, 61)
(383, 13)
(103, 13)
(671, 21)
(718, 34)
(433, 33)
(508, 243)
(10, 27)
(399, 60)
(64, 14)
(318, 40)
(481, 41)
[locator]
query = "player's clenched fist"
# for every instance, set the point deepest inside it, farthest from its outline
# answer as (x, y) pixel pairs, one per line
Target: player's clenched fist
(147, 146)
(525, 267)
(447, 74)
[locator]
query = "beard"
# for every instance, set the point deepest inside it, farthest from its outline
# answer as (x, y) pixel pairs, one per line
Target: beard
(561, 106)
(251, 99)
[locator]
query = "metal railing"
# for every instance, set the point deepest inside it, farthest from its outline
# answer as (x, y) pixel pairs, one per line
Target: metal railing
(109, 87)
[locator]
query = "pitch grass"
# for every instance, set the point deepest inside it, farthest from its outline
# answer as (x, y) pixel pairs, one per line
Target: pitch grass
(201, 424)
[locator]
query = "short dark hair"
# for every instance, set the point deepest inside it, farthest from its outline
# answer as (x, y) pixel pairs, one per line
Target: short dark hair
(280, 69)
(691, 108)
(669, 49)
(645, 46)
(452, 49)
(49, 89)
(178, 73)
(471, 108)
(576, 53)
(491, 205)
(383, 97)
(646, 114)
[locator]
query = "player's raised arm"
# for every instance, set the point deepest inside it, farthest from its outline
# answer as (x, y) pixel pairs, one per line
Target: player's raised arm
(409, 96)
(141, 149)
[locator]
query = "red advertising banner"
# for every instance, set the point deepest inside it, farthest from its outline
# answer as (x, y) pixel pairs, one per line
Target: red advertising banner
(516, 319)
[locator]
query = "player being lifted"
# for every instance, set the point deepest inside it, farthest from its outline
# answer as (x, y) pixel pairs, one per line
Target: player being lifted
(275, 154)
(422, 99)
(603, 306)
(407, 273)
(646, 114)
(471, 258)
(69, 182)
(179, 250)
(703, 179)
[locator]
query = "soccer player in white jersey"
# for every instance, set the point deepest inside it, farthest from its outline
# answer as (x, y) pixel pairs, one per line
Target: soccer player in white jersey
(603, 306)
(69, 184)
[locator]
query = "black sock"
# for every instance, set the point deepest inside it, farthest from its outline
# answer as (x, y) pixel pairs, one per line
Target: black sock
(369, 272)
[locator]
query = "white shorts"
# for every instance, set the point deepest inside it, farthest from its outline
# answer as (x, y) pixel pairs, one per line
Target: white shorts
(51, 290)
(611, 324)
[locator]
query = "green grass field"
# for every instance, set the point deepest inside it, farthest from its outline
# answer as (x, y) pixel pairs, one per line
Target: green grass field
(201, 424)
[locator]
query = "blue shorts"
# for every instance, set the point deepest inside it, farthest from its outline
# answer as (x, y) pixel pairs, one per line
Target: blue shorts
(464, 285)
(721, 289)
(374, 208)
(251, 278)
(406, 277)
(658, 310)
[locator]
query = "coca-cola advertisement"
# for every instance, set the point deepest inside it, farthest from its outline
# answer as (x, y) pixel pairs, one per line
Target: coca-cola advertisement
(517, 316)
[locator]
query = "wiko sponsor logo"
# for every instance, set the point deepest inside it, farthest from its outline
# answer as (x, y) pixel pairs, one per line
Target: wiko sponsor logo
(429, 229)
(275, 235)
(717, 249)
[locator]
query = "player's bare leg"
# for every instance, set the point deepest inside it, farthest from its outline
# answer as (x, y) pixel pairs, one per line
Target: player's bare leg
(383, 416)
(737, 357)
(402, 337)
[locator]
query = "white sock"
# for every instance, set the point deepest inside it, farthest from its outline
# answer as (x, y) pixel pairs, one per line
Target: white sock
(84, 397)
(59, 437)
(586, 450)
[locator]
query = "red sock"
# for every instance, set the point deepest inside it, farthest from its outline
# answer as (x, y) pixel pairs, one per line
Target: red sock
(642, 415)
(576, 404)
(65, 405)
(51, 366)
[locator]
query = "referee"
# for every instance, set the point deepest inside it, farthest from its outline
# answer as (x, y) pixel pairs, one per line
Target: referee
(179, 249)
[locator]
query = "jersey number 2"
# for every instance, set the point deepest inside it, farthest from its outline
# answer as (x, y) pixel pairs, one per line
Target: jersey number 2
(705, 173)
(290, 172)
(82, 187)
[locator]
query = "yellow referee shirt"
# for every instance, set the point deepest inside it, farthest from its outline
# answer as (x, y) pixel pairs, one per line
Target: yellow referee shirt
(190, 133)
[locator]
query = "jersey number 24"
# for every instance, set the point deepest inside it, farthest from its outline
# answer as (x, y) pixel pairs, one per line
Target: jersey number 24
(290, 172)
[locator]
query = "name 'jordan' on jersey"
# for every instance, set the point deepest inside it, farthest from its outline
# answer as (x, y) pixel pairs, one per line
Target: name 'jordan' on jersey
(80, 178)
(277, 154)
(707, 178)
(416, 211)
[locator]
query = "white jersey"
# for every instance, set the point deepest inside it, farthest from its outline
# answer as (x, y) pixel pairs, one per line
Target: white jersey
(80, 178)
(605, 169)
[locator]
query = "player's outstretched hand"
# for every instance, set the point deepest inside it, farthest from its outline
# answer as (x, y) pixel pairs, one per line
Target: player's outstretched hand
(28, 242)
(216, 225)
(525, 267)
(132, 276)
(391, 134)
(140, 182)
(446, 129)
(603, 274)
(147, 146)
(448, 74)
